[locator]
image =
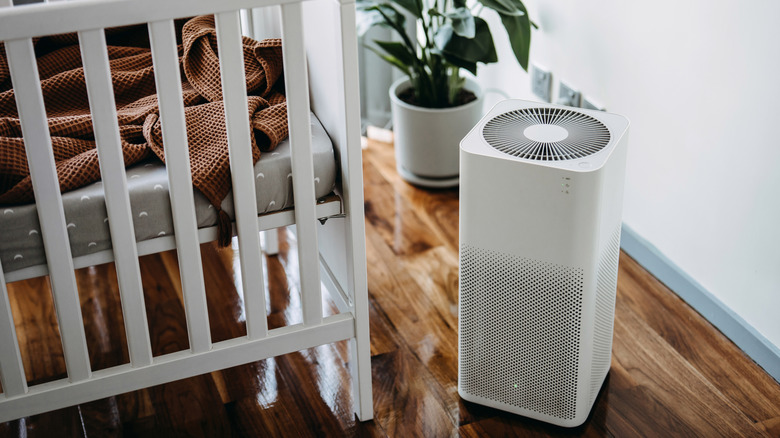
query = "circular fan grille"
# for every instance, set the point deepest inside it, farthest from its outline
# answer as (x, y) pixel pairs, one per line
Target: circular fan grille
(509, 133)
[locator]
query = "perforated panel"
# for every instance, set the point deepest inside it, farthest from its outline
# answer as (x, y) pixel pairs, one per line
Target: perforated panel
(606, 285)
(519, 336)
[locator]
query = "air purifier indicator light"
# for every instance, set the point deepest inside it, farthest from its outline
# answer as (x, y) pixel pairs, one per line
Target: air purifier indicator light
(565, 184)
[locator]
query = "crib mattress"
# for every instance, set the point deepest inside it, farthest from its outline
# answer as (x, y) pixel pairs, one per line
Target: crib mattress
(21, 244)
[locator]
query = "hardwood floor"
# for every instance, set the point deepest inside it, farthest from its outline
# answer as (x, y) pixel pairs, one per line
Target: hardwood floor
(672, 373)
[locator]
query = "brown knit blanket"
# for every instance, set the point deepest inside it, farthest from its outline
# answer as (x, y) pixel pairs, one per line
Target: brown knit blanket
(70, 123)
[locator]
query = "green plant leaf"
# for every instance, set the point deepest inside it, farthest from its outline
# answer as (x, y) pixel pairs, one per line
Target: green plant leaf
(392, 60)
(518, 28)
(370, 14)
(365, 20)
(462, 63)
(457, 62)
(472, 50)
(514, 17)
(413, 6)
(399, 51)
(505, 7)
(461, 19)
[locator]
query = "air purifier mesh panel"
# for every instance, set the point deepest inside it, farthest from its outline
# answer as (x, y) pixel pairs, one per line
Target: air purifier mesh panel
(584, 135)
(520, 331)
(606, 285)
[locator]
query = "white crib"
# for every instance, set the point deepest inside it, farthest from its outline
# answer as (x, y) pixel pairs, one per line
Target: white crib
(332, 252)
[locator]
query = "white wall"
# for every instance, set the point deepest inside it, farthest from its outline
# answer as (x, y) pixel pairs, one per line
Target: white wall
(700, 81)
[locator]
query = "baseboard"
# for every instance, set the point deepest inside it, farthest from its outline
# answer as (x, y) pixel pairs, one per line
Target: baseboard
(755, 345)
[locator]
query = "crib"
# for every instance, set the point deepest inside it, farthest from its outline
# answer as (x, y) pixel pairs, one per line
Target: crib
(330, 233)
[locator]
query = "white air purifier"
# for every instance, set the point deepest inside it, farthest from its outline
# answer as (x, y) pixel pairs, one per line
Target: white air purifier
(541, 195)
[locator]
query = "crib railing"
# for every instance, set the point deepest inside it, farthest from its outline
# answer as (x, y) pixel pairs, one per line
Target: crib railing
(17, 26)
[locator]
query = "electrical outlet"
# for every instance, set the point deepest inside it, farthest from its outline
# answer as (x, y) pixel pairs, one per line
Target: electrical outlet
(567, 95)
(541, 80)
(591, 104)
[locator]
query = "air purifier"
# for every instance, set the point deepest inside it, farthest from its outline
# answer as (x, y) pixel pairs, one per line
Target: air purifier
(540, 215)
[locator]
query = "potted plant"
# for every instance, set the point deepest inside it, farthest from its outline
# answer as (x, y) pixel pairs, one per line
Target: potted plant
(434, 105)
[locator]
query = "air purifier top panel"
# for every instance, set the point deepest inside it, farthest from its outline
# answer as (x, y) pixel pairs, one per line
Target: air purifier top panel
(546, 134)
(550, 135)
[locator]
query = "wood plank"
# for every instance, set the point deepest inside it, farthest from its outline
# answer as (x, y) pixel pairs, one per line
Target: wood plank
(283, 276)
(12, 379)
(65, 423)
(771, 426)
(167, 320)
(103, 316)
(38, 334)
(107, 346)
(693, 337)
(135, 407)
(106, 342)
(285, 407)
(688, 399)
(260, 416)
(438, 208)
(227, 314)
(101, 417)
(420, 299)
(37, 330)
(321, 372)
(402, 229)
(192, 406)
(408, 401)
(384, 337)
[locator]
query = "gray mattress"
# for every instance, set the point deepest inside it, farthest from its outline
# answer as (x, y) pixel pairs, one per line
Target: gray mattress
(21, 244)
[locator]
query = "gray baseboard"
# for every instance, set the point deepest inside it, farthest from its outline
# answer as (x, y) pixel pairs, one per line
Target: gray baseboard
(755, 345)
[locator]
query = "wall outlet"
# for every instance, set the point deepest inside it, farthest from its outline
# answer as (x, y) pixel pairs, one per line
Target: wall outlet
(541, 81)
(591, 104)
(567, 95)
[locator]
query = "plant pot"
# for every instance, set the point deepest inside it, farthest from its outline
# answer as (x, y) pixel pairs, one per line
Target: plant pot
(427, 139)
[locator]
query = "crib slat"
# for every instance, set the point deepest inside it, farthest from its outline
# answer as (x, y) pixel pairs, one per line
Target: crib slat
(231, 67)
(297, 89)
(112, 171)
(40, 159)
(177, 161)
(11, 368)
(360, 347)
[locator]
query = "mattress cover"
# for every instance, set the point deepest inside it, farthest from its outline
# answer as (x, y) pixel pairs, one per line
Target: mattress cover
(21, 243)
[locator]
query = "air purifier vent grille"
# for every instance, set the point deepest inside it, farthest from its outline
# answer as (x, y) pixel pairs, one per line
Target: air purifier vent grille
(546, 134)
(606, 285)
(520, 324)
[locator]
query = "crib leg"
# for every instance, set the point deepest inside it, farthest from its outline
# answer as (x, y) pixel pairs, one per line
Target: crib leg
(360, 369)
(271, 242)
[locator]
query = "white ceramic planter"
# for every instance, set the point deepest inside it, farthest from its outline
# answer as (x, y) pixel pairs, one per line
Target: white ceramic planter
(427, 139)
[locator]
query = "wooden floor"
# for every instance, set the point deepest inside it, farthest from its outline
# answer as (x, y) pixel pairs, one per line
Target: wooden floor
(672, 373)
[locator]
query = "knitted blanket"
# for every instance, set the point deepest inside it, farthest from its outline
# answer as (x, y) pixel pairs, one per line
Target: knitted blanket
(129, 53)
